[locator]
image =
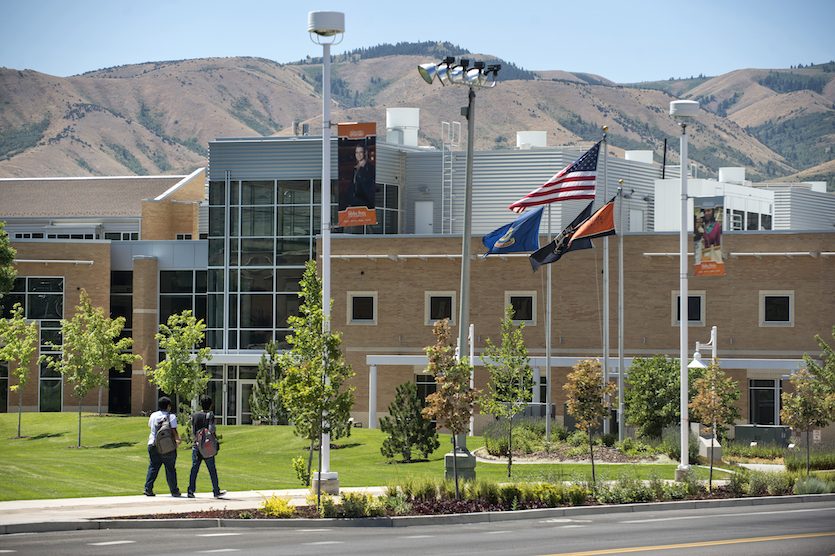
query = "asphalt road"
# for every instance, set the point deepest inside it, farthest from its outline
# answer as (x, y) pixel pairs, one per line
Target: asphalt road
(806, 529)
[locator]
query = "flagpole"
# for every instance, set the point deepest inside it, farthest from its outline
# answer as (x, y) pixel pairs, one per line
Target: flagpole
(607, 426)
(548, 345)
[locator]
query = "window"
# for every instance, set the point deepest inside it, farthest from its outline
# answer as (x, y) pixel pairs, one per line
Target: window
(4, 387)
(362, 307)
(183, 237)
(425, 385)
(764, 400)
(695, 308)
(438, 306)
(524, 306)
(777, 308)
(765, 221)
(753, 221)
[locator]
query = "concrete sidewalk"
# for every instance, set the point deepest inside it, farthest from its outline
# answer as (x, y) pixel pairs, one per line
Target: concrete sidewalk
(17, 514)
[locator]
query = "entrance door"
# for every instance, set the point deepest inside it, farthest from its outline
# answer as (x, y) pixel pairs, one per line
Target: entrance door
(244, 393)
(424, 216)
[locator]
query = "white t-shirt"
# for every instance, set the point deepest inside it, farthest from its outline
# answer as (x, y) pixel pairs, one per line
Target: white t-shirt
(155, 419)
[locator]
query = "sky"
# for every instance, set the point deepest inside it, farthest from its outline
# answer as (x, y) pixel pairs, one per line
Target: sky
(627, 42)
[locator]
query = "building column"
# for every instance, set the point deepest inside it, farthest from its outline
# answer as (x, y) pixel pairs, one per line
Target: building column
(372, 397)
(145, 328)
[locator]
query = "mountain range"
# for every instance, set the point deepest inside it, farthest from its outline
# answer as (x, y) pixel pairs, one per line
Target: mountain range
(158, 117)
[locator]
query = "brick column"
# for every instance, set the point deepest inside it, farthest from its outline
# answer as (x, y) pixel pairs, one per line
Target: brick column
(145, 327)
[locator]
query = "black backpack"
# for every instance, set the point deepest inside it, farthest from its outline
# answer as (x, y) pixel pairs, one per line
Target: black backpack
(205, 439)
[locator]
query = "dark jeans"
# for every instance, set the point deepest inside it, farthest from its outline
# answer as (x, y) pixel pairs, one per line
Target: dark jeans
(196, 458)
(157, 460)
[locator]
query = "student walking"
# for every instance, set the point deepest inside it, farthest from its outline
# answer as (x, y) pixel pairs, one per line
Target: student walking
(157, 459)
(203, 420)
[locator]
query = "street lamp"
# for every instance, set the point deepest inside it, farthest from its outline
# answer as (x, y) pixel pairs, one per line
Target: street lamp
(326, 28)
(479, 76)
(684, 111)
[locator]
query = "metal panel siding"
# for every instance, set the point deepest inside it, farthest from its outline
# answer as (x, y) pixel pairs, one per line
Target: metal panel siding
(811, 210)
(387, 164)
(269, 158)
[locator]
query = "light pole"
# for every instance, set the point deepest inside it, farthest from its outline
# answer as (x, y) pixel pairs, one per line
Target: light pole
(447, 72)
(684, 110)
(326, 28)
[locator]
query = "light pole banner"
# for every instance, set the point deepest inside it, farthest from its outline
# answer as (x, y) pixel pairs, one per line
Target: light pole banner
(357, 178)
(707, 235)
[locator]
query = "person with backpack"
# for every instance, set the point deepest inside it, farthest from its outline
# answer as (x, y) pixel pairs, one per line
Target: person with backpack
(205, 446)
(162, 447)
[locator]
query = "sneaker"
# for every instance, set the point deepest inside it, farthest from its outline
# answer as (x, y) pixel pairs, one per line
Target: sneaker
(148, 493)
(176, 494)
(219, 493)
(191, 495)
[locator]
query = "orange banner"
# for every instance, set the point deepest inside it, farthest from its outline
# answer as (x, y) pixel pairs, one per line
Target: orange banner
(357, 151)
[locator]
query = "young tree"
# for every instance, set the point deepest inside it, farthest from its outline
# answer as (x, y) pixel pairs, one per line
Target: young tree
(7, 255)
(825, 373)
(587, 398)
(511, 377)
(809, 405)
(90, 347)
(451, 405)
(265, 401)
(316, 370)
(406, 427)
(653, 397)
(181, 374)
(20, 341)
(713, 404)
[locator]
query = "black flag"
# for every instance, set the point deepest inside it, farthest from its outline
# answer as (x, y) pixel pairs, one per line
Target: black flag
(552, 252)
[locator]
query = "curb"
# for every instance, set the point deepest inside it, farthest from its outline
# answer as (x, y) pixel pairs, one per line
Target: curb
(407, 521)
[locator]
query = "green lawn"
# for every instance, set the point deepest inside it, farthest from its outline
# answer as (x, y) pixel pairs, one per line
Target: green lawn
(113, 459)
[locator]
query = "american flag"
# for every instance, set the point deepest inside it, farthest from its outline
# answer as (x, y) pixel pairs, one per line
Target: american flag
(576, 181)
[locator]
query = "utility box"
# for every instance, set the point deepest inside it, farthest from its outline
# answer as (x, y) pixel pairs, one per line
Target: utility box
(779, 435)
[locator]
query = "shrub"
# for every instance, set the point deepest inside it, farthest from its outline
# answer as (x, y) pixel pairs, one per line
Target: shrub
(744, 450)
(675, 491)
(821, 456)
(578, 438)
(446, 489)
(812, 485)
(757, 483)
(326, 506)
(738, 482)
(277, 507)
(425, 489)
(300, 467)
(509, 494)
(609, 439)
(482, 489)
(635, 448)
(355, 504)
(548, 494)
(577, 495)
(399, 504)
(779, 484)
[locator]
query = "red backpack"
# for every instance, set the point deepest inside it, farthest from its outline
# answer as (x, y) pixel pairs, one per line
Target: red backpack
(207, 443)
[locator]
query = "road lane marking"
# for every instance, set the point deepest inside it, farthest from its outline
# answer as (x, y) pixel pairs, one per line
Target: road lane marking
(219, 550)
(738, 514)
(496, 532)
(693, 544)
(109, 543)
(418, 537)
(323, 542)
(218, 534)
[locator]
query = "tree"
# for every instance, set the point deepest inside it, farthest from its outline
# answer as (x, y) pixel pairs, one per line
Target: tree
(511, 377)
(7, 256)
(713, 404)
(809, 405)
(265, 401)
(653, 399)
(451, 405)
(20, 341)
(587, 398)
(825, 372)
(406, 427)
(90, 346)
(181, 374)
(316, 371)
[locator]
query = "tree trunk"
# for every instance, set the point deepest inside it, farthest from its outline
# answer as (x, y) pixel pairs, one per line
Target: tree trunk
(455, 464)
(510, 447)
(710, 477)
(100, 389)
(591, 451)
(19, 407)
(808, 431)
(79, 422)
(310, 460)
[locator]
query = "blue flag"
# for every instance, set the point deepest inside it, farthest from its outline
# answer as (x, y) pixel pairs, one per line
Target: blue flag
(520, 235)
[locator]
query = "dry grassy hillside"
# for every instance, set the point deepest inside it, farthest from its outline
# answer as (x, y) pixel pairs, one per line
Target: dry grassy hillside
(157, 118)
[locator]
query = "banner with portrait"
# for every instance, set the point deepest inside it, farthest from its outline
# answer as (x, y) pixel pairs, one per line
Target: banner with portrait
(708, 214)
(357, 152)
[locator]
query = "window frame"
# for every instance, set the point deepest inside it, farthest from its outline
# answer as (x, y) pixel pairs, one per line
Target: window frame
(523, 293)
(350, 320)
(427, 305)
(674, 307)
(763, 294)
